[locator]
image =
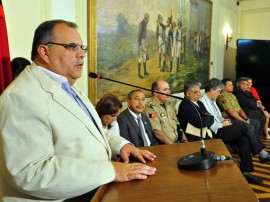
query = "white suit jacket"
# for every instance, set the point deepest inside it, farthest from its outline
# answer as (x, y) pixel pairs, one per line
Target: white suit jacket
(49, 148)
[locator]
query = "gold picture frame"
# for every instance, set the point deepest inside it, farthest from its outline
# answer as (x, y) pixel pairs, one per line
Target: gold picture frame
(195, 17)
(92, 44)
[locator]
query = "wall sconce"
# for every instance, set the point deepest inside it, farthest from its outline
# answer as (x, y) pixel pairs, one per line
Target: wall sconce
(228, 38)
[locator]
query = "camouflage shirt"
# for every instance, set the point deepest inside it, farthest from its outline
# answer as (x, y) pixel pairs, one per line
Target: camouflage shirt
(163, 118)
(227, 101)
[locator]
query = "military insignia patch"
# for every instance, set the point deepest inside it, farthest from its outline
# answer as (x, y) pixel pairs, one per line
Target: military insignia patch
(152, 116)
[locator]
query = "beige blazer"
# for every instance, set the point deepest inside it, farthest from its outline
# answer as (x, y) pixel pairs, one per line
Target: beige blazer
(49, 148)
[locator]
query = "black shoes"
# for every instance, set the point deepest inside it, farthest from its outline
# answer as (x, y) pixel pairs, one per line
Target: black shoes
(264, 160)
(253, 179)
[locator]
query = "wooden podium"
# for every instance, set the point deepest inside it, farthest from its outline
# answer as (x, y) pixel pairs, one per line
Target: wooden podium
(223, 182)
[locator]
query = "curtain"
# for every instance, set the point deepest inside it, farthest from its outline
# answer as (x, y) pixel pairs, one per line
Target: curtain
(5, 64)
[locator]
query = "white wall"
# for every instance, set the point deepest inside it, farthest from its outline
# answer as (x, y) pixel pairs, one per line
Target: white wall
(253, 16)
(224, 17)
(227, 19)
(21, 23)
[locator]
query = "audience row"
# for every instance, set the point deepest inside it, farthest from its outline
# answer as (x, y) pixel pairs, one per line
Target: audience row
(222, 112)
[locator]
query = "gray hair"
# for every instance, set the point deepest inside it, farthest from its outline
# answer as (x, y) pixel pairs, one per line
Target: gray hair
(215, 84)
(191, 84)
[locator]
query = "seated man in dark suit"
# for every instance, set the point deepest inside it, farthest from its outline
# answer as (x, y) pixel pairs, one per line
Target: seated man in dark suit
(230, 108)
(133, 124)
(251, 89)
(189, 118)
(249, 103)
(236, 132)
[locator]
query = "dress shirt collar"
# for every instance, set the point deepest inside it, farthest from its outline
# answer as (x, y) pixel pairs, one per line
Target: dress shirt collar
(208, 99)
(56, 77)
(196, 103)
(134, 114)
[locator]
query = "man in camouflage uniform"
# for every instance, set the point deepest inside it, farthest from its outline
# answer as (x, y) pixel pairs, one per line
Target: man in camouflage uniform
(162, 115)
(230, 108)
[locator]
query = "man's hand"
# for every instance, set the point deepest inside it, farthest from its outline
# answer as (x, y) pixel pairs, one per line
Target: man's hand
(131, 171)
(128, 150)
(226, 122)
(260, 106)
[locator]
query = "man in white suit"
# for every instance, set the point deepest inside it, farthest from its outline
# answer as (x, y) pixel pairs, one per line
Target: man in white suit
(52, 146)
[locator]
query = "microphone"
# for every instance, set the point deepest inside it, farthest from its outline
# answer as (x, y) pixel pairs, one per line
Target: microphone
(97, 76)
(94, 75)
(202, 160)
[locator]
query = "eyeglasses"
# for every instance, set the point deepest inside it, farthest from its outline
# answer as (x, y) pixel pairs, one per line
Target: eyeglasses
(71, 46)
(195, 92)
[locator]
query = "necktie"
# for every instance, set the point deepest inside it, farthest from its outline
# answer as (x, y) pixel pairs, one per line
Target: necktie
(145, 143)
(66, 86)
(217, 112)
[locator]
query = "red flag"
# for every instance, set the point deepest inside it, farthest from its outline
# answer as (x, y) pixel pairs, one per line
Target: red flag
(5, 64)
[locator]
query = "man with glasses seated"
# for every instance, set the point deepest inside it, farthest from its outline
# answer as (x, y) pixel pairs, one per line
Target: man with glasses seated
(195, 111)
(190, 111)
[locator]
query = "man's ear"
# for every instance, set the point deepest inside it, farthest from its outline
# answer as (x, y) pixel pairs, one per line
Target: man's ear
(43, 52)
(187, 94)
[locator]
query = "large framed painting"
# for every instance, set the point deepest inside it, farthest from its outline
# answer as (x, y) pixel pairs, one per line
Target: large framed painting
(138, 42)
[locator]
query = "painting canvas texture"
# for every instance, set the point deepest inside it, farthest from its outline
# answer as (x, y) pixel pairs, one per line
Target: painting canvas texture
(141, 41)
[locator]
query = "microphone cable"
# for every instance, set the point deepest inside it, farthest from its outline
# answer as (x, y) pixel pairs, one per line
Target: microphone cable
(224, 158)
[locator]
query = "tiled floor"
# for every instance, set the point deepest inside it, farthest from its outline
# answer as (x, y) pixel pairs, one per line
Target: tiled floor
(262, 170)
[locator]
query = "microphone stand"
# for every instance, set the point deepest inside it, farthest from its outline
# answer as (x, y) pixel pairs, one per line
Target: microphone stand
(199, 160)
(202, 160)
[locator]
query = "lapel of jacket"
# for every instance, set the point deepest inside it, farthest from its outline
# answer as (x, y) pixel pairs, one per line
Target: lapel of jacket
(94, 114)
(72, 107)
(144, 122)
(147, 127)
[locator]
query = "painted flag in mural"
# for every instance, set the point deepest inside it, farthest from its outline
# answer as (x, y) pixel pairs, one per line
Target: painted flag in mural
(5, 64)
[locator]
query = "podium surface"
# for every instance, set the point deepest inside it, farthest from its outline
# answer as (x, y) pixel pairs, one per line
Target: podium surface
(224, 182)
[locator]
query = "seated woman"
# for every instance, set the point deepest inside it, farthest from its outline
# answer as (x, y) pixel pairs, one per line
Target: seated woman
(259, 102)
(108, 108)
